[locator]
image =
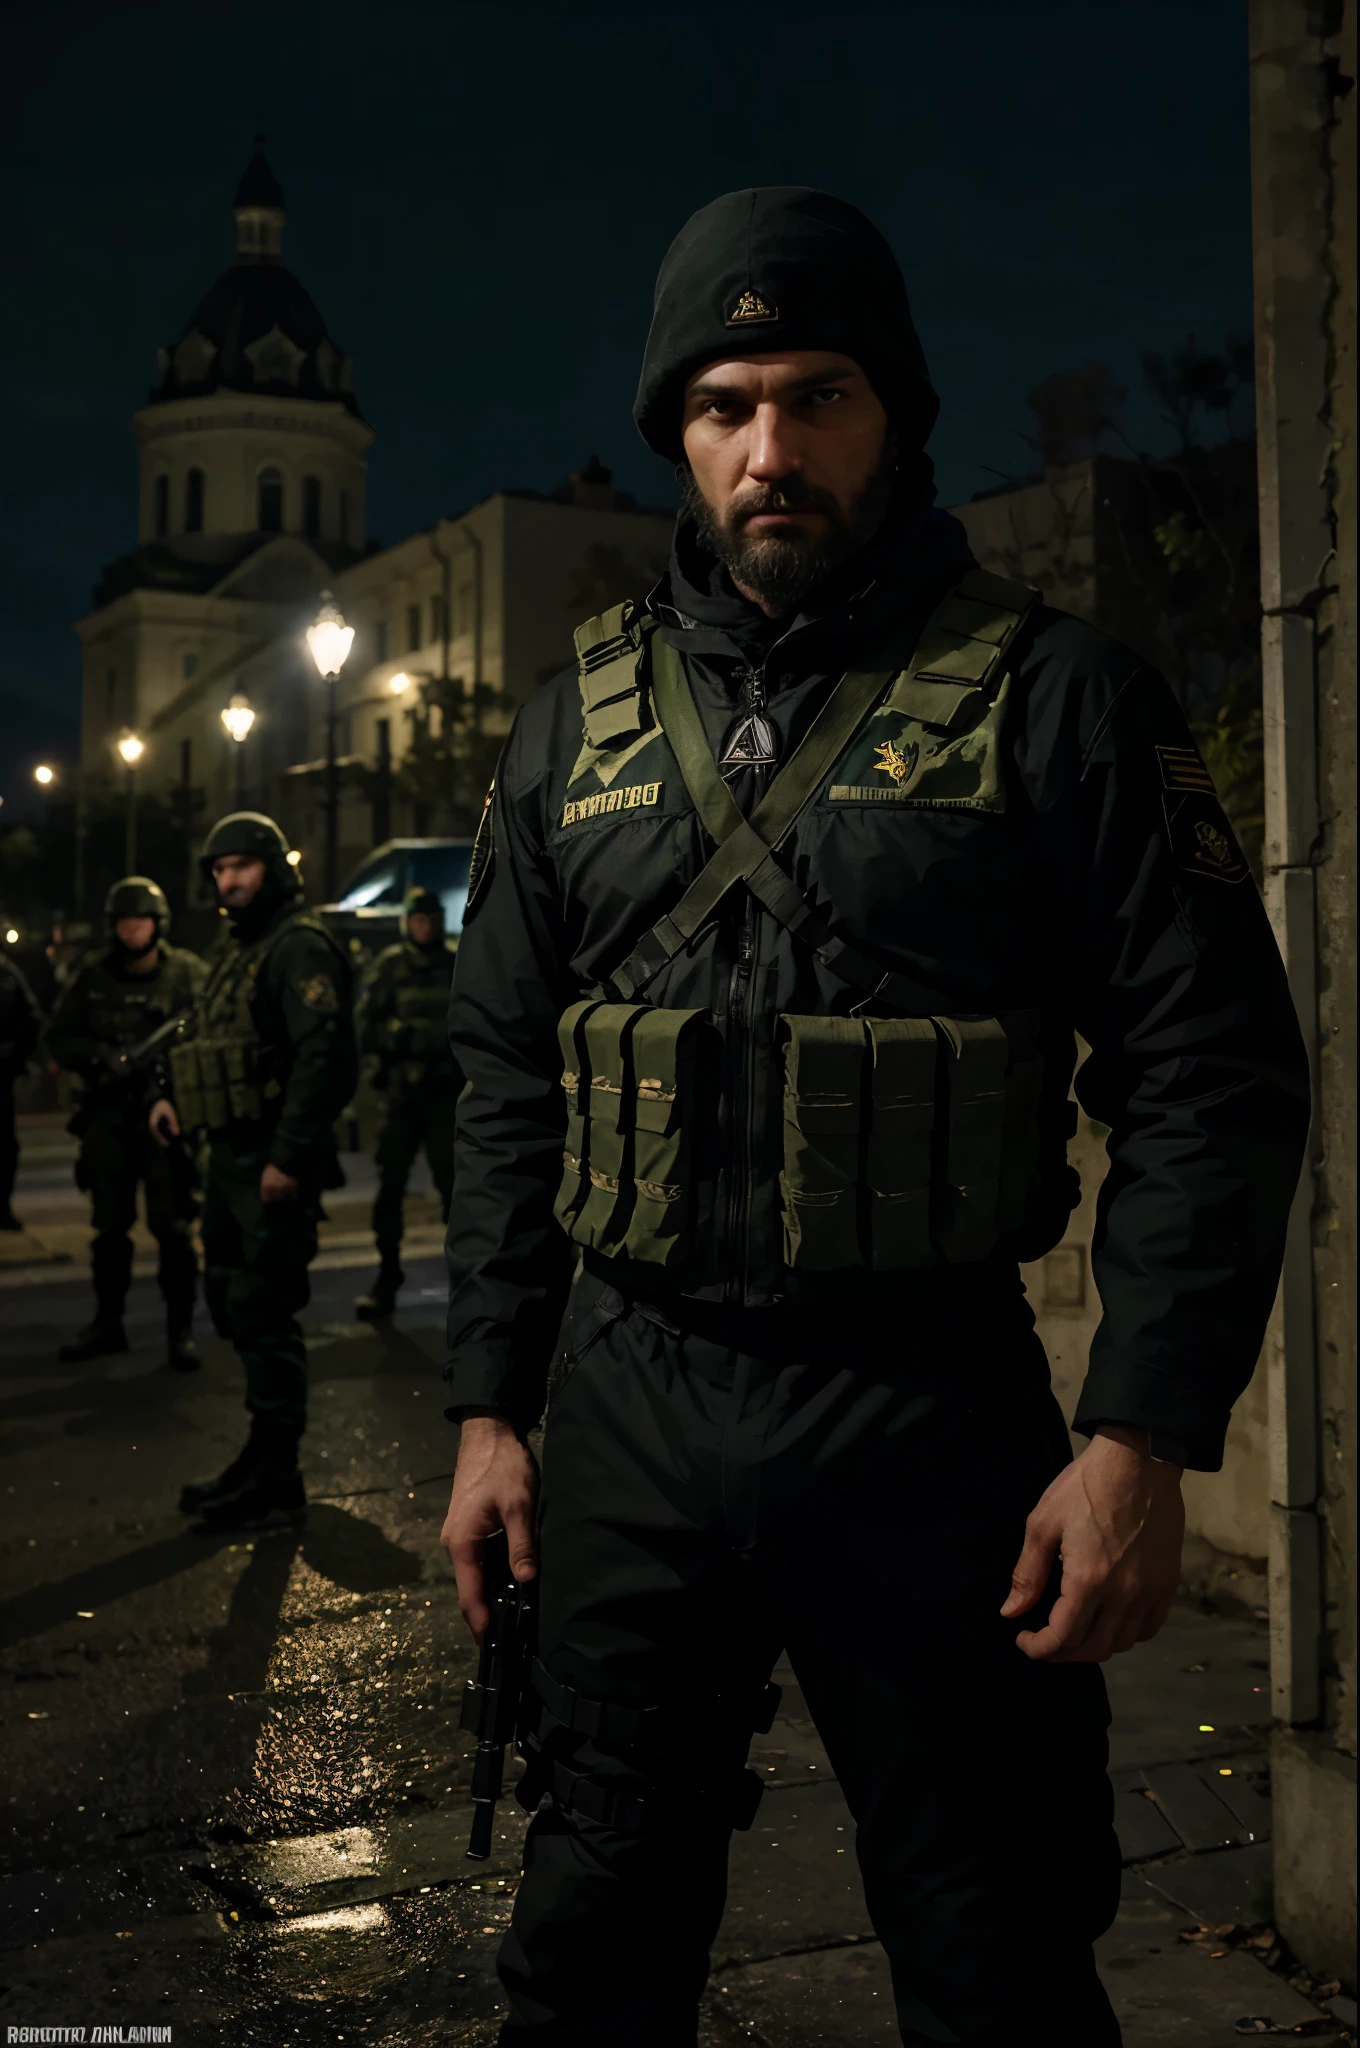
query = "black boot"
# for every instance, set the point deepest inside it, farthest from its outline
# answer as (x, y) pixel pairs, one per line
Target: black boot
(111, 1271)
(379, 1304)
(196, 1495)
(181, 1352)
(179, 1285)
(270, 1495)
(105, 1337)
(8, 1219)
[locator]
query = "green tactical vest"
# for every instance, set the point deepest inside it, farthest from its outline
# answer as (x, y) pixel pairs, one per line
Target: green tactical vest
(123, 1009)
(911, 1136)
(224, 1074)
(418, 1032)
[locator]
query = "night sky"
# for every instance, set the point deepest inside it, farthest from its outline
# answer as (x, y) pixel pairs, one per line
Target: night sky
(479, 196)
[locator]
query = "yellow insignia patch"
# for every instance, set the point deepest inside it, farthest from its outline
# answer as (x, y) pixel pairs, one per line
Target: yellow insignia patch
(749, 307)
(318, 993)
(895, 762)
(1213, 844)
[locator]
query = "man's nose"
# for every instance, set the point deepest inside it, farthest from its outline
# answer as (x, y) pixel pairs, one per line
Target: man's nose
(770, 452)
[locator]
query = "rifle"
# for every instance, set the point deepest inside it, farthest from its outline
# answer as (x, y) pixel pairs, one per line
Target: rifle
(120, 1064)
(493, 1706)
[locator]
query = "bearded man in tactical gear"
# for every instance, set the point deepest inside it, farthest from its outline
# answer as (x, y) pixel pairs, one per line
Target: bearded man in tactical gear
(267, 1067)
(789, 909)
(403, 1031)
(119, 998)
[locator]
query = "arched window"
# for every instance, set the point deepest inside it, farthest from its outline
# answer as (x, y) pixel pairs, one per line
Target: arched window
(193, 501)
(311, 506)
(161, 506)
(269, 517)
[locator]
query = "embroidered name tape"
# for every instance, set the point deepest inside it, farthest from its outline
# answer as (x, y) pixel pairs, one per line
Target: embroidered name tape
(606, 801)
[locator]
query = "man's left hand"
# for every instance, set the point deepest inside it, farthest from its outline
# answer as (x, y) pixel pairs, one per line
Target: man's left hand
(1116, 1519)
(277, 1186)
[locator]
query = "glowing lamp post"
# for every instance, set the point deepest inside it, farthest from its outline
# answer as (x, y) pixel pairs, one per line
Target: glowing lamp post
(131, 750)
(44, 776)
(329, 640)
(237, 720)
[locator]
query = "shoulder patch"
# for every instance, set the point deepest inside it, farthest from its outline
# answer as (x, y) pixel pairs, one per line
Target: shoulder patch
(1202, 841)
(483, 853)
(318, 992)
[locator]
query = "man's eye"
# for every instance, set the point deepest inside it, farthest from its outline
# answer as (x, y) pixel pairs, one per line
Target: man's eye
(828, 395)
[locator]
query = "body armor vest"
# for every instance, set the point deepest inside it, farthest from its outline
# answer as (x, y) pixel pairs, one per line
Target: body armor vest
(123, 1009)
(226, 1073)
(418, 1032)
(911, 1135)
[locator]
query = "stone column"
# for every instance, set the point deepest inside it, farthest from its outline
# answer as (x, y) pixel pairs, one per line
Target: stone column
(1303, 67)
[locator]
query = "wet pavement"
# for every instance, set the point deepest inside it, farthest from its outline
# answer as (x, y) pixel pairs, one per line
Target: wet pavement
(236, 1789)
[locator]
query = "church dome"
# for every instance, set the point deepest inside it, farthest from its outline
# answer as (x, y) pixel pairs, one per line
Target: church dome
(257, 330)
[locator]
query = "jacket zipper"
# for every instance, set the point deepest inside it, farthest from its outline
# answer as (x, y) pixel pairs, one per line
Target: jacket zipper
(742, 1045)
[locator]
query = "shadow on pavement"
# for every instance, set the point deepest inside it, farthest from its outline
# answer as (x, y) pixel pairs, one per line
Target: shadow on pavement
(341, 1547)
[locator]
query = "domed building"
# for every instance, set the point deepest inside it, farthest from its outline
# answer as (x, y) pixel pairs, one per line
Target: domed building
(252, 465)
(253, 427)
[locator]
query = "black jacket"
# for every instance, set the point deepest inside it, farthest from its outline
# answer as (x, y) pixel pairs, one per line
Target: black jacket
(1083, 896)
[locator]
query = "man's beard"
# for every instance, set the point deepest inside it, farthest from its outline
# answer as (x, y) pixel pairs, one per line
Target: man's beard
(781, 569)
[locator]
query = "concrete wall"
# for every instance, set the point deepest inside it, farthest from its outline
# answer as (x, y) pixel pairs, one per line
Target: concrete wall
(1303, 72)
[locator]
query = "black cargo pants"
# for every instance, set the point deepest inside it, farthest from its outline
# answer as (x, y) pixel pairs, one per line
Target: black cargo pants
(116, 1153)
(855, 1492)
(255, 1278)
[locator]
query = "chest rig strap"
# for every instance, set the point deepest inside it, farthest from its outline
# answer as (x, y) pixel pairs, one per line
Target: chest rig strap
(608, 654)
(960, 651)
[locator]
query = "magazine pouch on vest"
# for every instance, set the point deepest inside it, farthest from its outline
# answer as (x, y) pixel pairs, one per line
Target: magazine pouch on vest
(908, 1141)
(628, 1179)
(217, 1082)
(607, 654)
(223, 1074)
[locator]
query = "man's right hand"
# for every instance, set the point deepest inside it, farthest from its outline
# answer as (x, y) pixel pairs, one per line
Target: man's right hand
(495, 1486)
(164, 1122)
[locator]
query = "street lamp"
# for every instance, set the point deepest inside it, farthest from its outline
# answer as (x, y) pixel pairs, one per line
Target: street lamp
(329, 640)
(399, 684)
(131, 750)
(238, 718)
(44, 775)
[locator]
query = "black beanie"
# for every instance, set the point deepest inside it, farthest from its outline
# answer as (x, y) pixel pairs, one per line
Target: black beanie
(781, 267)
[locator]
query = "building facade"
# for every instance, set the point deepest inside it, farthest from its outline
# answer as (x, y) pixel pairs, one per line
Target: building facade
(252, 460)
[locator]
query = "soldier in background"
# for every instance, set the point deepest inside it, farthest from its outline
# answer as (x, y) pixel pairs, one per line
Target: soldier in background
(115, 1002)
(20, 1024)
(266, 1069)
(404, 1037)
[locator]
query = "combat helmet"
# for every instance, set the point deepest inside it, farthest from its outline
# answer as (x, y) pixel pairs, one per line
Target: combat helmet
(259, 838)
(422, 902)
(137, 896)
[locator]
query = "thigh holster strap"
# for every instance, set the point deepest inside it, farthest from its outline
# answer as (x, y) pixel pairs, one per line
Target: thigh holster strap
(603, 1721)
(733, 1800)
(600, 1720)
